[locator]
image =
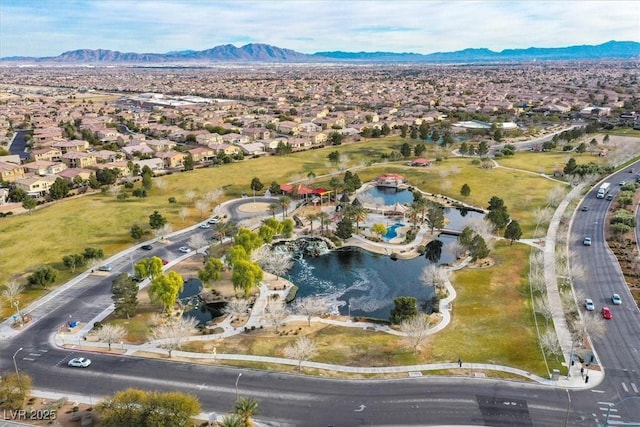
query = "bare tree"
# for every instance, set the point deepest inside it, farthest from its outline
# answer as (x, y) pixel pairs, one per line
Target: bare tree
(550, 344)
(484, 229)
(556, 195)
(213, 195)
(161, 184)
(114, 190)
(302, 349)
(162, 232)
(190, 195)
(202, 205)
(311, 306)
(197, 241)
(173, 333)
(236, 307)
(183, 213)
(433, 275)
(275, 263)
(416, 329)
(111, 333)
(10, 293)
(275, 313)
(542, 307)
(590, 324)
(542, 216)
(455, 248)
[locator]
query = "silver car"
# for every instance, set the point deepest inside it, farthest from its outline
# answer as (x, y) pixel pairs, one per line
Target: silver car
(588, 304)
(79, 362)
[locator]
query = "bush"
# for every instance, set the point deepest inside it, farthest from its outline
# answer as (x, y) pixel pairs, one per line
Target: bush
(172, 200)
(292, 294)
(97, 325)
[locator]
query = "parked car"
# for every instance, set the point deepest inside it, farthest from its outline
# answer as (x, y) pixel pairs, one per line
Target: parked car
(205, 226)
(615, 299)
(588, 304)
(146, 247)
(606, 313)
(79, 362)
(585, 208)
(184, 249)
(587, 241)
(105, 267)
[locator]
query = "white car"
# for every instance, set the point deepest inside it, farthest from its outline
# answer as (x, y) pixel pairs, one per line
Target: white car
(214, 220)
(588, 304)
(79, 362)
(205, 226)
(615, 299)
(184, 249)
(587, 241)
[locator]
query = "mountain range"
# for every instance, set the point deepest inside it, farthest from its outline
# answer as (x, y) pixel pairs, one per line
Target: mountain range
(256, 52)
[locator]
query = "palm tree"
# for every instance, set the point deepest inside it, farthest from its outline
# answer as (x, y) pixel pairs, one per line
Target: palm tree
(273, 207)
(246, 407)
(311, 217)
(359, 214)
(322, 216)
(284, 202)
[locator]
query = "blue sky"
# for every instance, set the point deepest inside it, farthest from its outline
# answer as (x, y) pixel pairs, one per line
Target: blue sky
(50, 27)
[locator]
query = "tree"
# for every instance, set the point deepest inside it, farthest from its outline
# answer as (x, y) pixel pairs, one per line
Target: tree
(29, 203)
(136, 232)
(156, 221)
(165, 288)
(416, 329)
(311, 306)
(405, 150)
(245, 276)
(256, 185)
(498, 214)
(202, 205)
(435, 216)
(465, 191)
(433, 275)
(245, 408)
(550, 344)
(196, 242)
(72, 261)
(14, 390)
(302, 349)
(284, 204)
(344, 228)
(478, 248)
(174, 332)
(483, 148)
(273, 208)
(124, 295)
(149, 268)
(189, 163)
(404, 308)
(111, 333)
(334, 157)
(147, 183)
(378, 229)
(93, 253)
(43, 276)
(275, 313)
(134, 407)
(323, 217)
(59, 189)
(211, 271)
(277, 264)
(570, 167)
(513, 231)
(248, 239)
(357, 213)
(236, 307)
(10, 292)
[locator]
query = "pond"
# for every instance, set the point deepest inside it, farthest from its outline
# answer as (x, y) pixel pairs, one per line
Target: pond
(361, 283)
(389, 196)
(202, 312)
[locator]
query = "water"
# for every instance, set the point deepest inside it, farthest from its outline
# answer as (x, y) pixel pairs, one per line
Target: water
(202, 312)
(389, 196)
(391, 231)
(363, 283)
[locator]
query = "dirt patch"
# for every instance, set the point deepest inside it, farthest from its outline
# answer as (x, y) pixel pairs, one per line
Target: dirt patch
(253, 207)
(68, 414)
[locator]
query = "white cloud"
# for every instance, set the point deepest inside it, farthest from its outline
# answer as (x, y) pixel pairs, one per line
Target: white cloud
(310, 26)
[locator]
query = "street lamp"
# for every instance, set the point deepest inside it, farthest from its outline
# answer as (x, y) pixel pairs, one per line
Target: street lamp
(15, 365)
(237, 379)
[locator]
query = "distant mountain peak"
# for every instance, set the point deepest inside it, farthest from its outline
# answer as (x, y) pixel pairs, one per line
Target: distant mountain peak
(259, 52)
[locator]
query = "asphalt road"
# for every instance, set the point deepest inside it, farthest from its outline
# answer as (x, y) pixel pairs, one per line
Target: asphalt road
(19, 144)
(306, 401)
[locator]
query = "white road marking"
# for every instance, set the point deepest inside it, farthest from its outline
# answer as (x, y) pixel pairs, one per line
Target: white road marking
(360, 409)
(634, 387)
(624, 387)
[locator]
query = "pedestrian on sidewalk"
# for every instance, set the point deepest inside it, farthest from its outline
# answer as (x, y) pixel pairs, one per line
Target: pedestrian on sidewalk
(459, 363)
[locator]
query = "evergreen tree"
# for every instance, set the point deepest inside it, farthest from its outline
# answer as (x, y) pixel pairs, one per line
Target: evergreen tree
(513, 231)
(403, 308)
(344, 228)
(125, 295)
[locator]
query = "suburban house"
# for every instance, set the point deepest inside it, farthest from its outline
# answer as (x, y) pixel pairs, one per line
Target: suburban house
(76, 159)
(171, 159)
(132, 151)
(154, 164)
(257, 133)
(289, 127)
(121, 166)
(227, 149)
(76, 145)
(107, 156)
(160, 144)
(9, 172)
(252, 149)
(209, 138)
(50, 154)
(37, 186)
(43, 167)
(202, 154)
(70, 174)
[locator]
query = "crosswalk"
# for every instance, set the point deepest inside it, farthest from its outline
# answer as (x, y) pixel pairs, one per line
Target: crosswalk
(617, 413)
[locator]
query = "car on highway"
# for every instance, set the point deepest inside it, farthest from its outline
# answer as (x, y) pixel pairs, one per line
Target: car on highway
(184, 249)
(105, 267)
(585, 208)
(146, 247)
(623, 183)
(588, 304)
(606, 313)
(205, 226)
(214, 220)
(587, 241)
(79, 362)
(609, 197)
(615, 299)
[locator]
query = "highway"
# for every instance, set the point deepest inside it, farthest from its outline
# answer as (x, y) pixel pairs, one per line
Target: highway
(293, 400)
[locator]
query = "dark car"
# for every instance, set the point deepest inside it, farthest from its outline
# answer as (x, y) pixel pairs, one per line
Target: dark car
(585, 208)
(146, 247)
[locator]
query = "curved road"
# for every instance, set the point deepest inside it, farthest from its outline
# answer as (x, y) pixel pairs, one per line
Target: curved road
(310, 401)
